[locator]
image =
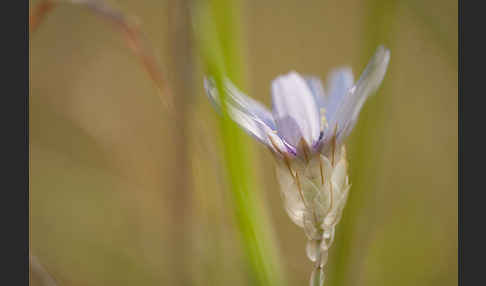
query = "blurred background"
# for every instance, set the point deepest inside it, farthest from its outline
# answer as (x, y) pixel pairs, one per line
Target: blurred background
(127, 191)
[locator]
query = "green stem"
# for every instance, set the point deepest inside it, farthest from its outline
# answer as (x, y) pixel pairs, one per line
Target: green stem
(366, 148)
(218, 43)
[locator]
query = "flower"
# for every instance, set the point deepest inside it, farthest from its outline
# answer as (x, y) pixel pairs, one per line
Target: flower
(306, 130)
(303, 112)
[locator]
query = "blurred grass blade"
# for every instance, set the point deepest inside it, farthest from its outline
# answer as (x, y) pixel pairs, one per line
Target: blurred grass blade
(217, 32)
(439, 32)
(181, 75)
(37, 269)
(365, 152)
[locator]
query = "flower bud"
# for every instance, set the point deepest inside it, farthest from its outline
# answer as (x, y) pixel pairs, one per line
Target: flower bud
(314, 191)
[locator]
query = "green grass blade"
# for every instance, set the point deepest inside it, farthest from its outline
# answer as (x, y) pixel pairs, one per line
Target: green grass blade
(218, 37)
(365, 151)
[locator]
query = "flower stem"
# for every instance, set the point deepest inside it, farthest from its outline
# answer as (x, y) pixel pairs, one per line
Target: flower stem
(317, 275)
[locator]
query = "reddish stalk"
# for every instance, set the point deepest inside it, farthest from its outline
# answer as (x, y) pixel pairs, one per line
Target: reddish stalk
(134, 37)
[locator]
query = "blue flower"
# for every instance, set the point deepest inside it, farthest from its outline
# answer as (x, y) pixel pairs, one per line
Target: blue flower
(305, 117)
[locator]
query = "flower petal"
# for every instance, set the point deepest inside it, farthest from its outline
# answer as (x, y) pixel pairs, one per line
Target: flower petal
(295, 110)
(253, 117)
(249, 104)
(338, 83)
(317, 90)
(350, 106)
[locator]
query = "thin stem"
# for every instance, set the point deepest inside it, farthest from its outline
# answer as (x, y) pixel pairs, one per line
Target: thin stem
(317, 275)
(134, 36)
(219, 45)
(181, 76)
(39, 14)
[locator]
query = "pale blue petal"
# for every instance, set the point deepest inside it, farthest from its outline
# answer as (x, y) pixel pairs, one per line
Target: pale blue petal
(317, 90)
(253, 117)
(294, 110)
(249, 104)
(338, 83)
(350, 106)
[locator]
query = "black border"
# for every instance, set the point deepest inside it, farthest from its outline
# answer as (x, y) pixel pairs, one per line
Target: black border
(26, 157)
(471, 76)
(14, 210)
